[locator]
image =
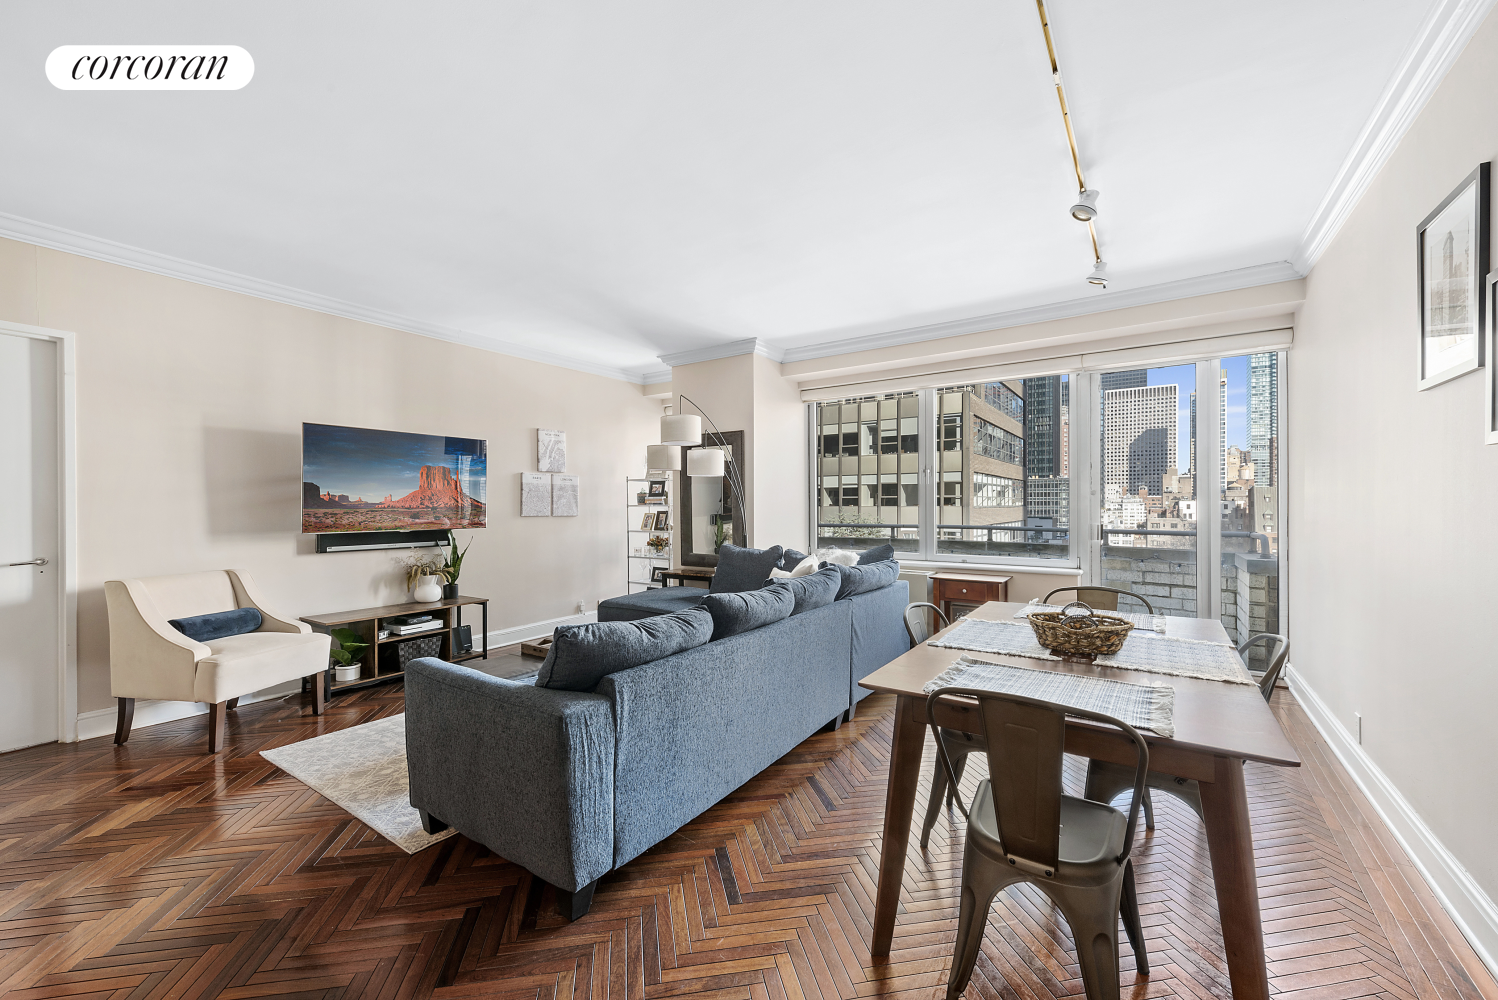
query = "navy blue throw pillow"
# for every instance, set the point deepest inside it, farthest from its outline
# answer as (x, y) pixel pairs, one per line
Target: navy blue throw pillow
(751, 609)
(790, 559)
(862, 579)
(814, 591)
(582, 655)
(877, 554)
(219, 624)
(743, 569)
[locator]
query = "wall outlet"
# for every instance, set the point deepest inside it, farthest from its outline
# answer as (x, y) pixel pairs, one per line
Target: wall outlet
(1357, 717)
(582, 606)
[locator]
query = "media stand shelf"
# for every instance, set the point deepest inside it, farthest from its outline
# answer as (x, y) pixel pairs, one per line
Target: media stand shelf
(380, 662)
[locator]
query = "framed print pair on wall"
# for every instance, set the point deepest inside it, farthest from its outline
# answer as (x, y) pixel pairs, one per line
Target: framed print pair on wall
(1458, 297)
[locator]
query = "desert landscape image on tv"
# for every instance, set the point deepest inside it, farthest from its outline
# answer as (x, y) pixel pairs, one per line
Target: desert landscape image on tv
(355, 479)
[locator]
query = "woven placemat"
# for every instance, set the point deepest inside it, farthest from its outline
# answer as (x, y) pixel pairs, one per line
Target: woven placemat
(1162, 654)
(1143, 706)
(1013, 638)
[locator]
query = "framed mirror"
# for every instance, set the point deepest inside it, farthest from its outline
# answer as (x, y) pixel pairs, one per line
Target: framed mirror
(710, 512)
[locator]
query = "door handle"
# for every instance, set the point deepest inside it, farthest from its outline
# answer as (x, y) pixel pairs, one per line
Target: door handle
(30, 562)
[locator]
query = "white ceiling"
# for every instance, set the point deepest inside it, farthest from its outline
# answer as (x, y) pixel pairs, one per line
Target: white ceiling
(610, 182)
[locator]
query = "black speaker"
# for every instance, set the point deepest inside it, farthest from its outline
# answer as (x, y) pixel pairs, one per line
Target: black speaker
(465, 638)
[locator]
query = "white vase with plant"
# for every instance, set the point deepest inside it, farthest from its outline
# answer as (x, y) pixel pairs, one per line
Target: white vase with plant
(424, 577)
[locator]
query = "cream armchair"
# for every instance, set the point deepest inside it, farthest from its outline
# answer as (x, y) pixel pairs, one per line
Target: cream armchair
(150, 659)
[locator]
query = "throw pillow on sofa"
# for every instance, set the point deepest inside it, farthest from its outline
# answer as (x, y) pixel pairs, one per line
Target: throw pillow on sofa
(817, 590)
(752, 609)
(863, 579)
(743, 569)
(790, 559)
(582, 655)
(806, 567)
(204, 628)
(877, 554)
(836, 556)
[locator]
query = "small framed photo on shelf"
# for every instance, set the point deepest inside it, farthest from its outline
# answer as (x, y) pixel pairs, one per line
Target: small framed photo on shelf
(655, 574)
(1452, 257)
(657, 489)
(662, 520)
(647, 523)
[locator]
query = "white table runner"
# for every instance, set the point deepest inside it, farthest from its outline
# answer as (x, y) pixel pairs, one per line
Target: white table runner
(1143, 706)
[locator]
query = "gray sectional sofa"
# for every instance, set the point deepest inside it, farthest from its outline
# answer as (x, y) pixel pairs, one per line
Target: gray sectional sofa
(571, 784)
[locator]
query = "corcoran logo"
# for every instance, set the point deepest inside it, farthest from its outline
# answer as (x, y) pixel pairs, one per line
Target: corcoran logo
(149, 67)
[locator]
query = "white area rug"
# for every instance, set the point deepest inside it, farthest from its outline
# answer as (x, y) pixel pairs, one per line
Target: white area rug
(362, 769)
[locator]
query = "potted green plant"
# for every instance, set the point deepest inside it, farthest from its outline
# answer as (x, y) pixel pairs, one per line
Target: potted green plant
(346, 654)
(424, 575)
(452, 567)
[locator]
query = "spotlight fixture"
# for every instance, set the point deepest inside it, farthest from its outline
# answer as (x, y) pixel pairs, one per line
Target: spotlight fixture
(1099, 275)
(1085, 210)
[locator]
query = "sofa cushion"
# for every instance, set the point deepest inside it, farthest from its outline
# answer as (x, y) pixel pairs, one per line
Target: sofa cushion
(790, 559)
(743, 569)
(219, 624)
(649, 603)
(238, 664)
(878, 553)
(817, 590)
(862, 579)
(583, 655)
(752, 609)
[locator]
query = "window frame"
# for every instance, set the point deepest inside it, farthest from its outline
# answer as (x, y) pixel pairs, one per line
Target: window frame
(1084, 543)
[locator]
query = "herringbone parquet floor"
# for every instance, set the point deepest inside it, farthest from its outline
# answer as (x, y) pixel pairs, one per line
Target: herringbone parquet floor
(156, 872)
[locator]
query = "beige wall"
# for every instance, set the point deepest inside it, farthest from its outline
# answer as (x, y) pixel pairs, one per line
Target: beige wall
(190, 404)
(1393, 544)
(747, 393)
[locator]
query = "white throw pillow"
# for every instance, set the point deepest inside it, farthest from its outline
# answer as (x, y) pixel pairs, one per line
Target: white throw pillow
(805, 567)
(776, 573)
(836, 556)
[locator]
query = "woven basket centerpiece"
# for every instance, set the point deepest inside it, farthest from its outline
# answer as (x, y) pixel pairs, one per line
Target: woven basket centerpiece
(1077, 630)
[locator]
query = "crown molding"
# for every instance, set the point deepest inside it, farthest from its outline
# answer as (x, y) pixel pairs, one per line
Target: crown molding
(1184, 288)
(656, 377)
(732, 349)
(1441, 38)
(56, 238)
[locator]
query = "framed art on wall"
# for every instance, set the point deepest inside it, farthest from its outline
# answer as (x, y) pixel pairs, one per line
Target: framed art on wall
(1490, 388)
(1451, 248)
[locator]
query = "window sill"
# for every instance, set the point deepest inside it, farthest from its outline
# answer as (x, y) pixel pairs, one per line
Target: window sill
(927, 566)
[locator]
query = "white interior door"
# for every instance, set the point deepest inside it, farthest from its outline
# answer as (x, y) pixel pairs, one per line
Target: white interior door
(29, 592)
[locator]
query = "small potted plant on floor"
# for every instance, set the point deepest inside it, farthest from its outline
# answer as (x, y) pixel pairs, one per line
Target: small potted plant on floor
(346, 656)
(453, 566)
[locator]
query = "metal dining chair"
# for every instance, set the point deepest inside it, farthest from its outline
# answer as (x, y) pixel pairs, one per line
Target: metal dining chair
(1023, 828)
(1091, 596)
(1105, 781)
(918, 626)
(962, 744)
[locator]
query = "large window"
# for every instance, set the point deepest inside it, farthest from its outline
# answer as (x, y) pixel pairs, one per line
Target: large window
(1179, 467)
(868, 471)
(993, 482)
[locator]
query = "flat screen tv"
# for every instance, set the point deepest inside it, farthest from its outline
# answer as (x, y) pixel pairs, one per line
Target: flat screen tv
(356, 479)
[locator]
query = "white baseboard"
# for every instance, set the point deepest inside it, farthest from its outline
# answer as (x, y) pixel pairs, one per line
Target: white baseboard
(101, 721)
(510, 636)
(1463, 899)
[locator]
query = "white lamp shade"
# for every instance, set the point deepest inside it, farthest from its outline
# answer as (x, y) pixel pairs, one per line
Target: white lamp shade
(681, 428)
(704, 462)
(662, 458)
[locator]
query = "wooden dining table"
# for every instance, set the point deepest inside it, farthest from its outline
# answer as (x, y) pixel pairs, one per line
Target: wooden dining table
(1218, 726)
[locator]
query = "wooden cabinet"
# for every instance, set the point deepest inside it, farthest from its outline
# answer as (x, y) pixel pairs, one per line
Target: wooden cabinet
(958, 593)
(381, 661)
